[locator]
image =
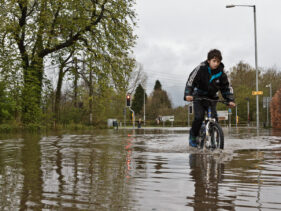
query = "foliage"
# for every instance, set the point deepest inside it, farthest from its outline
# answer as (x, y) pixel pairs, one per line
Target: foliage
(138, 100)
(276, 110)
(181, 113)
(6, 107)
(32, 32)
(157, 86)
(243, 80)
(158, 103)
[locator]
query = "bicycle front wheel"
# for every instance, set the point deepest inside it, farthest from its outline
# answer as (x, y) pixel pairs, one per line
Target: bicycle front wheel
(217, 137)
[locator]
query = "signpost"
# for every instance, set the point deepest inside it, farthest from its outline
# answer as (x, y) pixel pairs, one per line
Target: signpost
(266, 101)
(257, 92)
(229, 119)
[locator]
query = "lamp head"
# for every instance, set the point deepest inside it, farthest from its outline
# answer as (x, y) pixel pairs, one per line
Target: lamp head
(230, 6)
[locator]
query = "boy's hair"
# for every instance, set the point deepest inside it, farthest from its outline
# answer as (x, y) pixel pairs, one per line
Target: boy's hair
(214, 53)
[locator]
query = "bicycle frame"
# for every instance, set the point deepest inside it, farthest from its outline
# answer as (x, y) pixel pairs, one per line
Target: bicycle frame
(206, 137)
(208, 120)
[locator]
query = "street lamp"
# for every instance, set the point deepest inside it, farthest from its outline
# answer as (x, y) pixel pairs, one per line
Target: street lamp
(256, 53)
(270, 90)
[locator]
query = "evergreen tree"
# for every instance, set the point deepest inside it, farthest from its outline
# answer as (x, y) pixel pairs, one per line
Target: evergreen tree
(138, 100)
(157, 85)
(159, 103)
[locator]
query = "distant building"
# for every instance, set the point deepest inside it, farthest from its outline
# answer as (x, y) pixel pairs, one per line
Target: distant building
(275, 109)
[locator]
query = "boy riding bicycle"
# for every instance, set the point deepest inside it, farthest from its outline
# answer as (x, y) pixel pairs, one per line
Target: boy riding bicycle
(205, 81)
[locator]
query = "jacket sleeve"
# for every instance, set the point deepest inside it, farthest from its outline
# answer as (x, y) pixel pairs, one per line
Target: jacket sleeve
(226, 89)
(191, 82)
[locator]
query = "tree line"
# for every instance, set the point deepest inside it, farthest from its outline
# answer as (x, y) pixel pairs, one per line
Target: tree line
(70, 62)
(243, 80)
(86, 48)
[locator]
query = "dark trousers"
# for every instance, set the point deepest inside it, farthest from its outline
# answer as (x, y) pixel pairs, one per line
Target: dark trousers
(200, 109)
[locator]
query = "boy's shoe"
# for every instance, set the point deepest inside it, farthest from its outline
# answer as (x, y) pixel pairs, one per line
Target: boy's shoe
(192, 141)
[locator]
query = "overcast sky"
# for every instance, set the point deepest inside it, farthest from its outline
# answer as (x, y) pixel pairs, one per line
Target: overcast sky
(176, 35)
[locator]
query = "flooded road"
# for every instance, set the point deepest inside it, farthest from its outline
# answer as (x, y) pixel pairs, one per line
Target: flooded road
(151, 169)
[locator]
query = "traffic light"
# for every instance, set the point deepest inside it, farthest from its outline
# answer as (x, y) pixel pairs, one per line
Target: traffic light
(128, 100)
(190, 107)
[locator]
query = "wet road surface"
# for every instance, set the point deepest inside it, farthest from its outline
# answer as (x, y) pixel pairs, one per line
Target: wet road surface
(151, 169)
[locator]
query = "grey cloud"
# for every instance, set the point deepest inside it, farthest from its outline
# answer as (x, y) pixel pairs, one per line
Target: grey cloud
(175, 36)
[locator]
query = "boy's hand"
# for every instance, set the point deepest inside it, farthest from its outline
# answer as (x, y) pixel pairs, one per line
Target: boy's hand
(231, 104)
(189, 98)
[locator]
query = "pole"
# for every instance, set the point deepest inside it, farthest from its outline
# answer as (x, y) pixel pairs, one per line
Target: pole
(133, 117)
(270, 90)
(236, 115)
(125, 117)
(256, 65)
(267, 122)
(248, 108)
(268, 102)
(125, 113)
(229, 118)
(143, 107)
(188, 115)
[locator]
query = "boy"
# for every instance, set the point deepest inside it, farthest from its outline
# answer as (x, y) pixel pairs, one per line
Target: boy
(205, 81)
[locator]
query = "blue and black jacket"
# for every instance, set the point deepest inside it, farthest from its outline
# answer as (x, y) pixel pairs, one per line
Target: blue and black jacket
(204, 82)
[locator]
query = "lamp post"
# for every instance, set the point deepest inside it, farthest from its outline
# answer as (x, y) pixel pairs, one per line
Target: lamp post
(256, 54)
(248, 110)
(144, 107)
(270, 96)
(236, 116)
(270, 90)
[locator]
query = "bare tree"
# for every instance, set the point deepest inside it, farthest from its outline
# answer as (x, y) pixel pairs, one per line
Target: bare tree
(138, 76)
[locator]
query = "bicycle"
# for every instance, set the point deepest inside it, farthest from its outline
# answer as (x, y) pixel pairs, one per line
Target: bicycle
(211, 134)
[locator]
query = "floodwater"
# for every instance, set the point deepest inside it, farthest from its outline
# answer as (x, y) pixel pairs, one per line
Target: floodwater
(151, 169)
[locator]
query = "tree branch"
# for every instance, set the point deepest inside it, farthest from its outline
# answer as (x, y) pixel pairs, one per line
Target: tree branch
(20, 39)
(74, 38)
(53, 24)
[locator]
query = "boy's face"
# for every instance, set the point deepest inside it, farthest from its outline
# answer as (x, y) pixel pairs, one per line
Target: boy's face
(214, 63)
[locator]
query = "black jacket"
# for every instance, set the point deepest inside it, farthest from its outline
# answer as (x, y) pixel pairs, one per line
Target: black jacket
(205, 82)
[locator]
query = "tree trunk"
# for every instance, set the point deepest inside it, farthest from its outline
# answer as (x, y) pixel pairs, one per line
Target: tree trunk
(33, 78)
(58, 95)
(75, 84)
(91, 96)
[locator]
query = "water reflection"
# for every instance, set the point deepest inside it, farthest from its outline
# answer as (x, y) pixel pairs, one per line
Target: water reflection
(11, 177)
(84, 172)
(139, 170)
(64, 172)
(32, 188)
(207, 173)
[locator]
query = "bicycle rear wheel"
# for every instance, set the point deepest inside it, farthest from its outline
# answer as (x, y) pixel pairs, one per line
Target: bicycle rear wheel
(217, 137)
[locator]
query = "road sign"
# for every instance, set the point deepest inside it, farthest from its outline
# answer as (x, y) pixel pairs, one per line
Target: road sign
(168, 118)
(257, 92)
(222, 115)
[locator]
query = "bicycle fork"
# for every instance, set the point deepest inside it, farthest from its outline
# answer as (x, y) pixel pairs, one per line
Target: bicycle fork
(208, 137)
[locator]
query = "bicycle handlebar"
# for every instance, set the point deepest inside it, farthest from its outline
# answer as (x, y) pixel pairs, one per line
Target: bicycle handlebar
(212, 100)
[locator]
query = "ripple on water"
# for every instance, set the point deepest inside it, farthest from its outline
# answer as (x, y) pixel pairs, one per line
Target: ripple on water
(143, 170)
